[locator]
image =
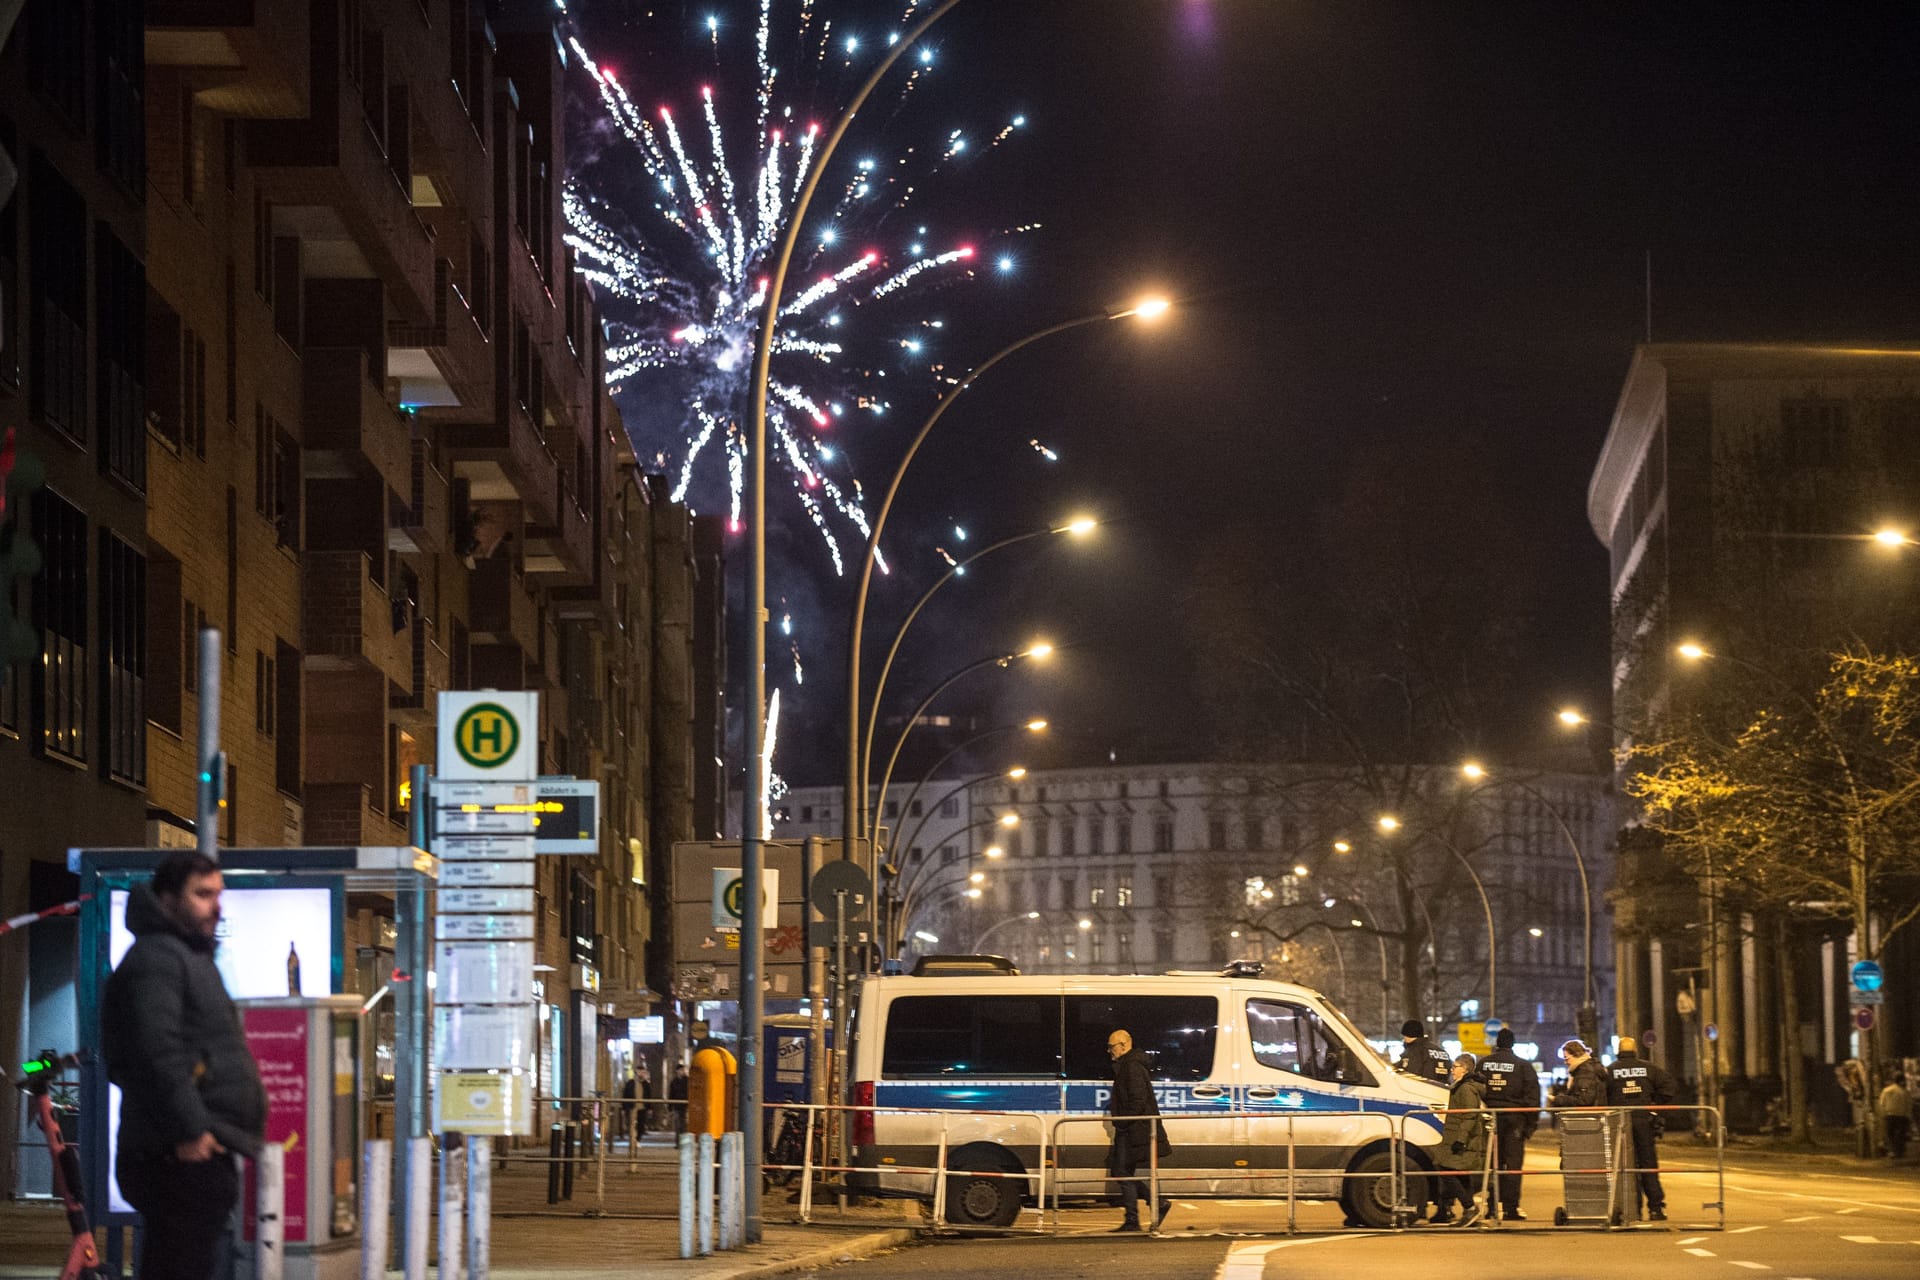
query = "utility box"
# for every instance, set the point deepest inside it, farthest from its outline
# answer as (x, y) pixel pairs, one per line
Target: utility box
(308, 1051)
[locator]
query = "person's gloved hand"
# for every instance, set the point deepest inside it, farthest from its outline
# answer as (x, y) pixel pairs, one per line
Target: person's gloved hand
(1459, 1147)
(1659, 1127)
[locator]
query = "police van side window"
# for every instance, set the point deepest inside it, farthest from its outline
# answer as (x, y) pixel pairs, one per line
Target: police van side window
(1292, 1038)
(1176, 1033)
(982, 1037)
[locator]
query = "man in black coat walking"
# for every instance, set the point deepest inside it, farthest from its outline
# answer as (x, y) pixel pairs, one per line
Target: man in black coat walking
(1133, 1138)
(191, 1091)
(1511, 1082)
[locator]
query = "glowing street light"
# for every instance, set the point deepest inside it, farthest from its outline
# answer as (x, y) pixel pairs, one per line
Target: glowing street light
(978, 877)
(1572, 718)
(1081, 526)
(993, 851)
(1473, 770)
(1692, 652)
(1302, 870)
(1536, 931)
(1342, 846)
(1038, 649)
(1892, 538)
(1008, 819)
(1148, 308)
(1036, 726)
(1085, 924)
(1389, 823)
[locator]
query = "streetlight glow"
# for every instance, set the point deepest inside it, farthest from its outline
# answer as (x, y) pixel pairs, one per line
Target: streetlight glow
(1571, 717)
(993, 851)
(1473, 770)
(1535, 932)
(1018, 772)
(1038, 649)
(1150, 308)
(1009, 819)
(1081, 526)
(1891, 537)
(973, 893)
(1085, 924)
(1341, 846)
(1301, 869)
(1692, 652)
(924, 936)
(1036, 726)
(1033, 915)
(978, 877)
(1389, 823)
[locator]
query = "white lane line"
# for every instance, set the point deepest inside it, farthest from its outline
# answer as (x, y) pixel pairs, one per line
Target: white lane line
(1853, 1210)
(1740, 1231)
(1859, 1205)
(1752, 1266)
(1862, 1239)
(1703, 1253)
(1805, 1218)
(1249, 1261)
(1692, 1240)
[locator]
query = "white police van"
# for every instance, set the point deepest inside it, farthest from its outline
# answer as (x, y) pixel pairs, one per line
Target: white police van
(969, 1033)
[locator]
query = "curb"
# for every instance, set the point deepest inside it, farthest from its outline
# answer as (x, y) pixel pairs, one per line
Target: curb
(845, 1251)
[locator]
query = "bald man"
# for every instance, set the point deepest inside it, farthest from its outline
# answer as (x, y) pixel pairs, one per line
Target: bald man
(1134, 1133)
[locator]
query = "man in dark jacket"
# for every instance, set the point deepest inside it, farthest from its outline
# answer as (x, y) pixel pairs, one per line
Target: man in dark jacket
(1511, 1082)
(1133, 1138)
(1635, 1082)
(1421, 1057)
(191, 1092)
(1586, 1084)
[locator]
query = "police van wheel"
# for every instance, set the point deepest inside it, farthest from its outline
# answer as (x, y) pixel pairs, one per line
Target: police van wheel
(1369, 1193)
(982, 1202)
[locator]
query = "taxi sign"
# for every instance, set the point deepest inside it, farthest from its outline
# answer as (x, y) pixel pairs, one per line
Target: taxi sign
(489, 736)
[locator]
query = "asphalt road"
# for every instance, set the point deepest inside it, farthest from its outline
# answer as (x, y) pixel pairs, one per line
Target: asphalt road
(1785, 1220)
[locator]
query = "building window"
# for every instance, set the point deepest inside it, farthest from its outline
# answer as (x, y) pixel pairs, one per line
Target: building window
(950, 807)
(1097, 836)
(123, 625)
(57, 319)
(1813, 431)
(57, 56)
(1069, 838)
(60, 609)
(948, 855)
(1041, 845)
(1069, 887)
(913, 810)
(806, 810)
(1899, 429)
(1123, 890)
(276, 477)
(122, 126)
(164, 634)
(1123, 834)
(1097, 895)
(1093, 946)
(1163, 789)
(120, 366)
(1163, 945)
(1216, 833)
(1163, 835)
(264, 694)
(891, 808)
(1163, 891)
(1256, 834)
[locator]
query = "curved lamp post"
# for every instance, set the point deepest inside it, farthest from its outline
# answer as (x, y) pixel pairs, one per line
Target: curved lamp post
(912, 884)
(1147, 309)
(1079, 527)
(908, 844)
(1390, 824)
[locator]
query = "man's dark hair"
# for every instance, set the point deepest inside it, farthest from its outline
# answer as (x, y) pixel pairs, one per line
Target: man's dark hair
(171, 876)
(1505, 1039)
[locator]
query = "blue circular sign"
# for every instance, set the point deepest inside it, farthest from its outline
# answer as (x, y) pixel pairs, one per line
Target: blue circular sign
(1867, 976)
(1495, 1027)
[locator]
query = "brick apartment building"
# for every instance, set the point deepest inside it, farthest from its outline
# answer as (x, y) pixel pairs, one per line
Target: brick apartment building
(298, 338)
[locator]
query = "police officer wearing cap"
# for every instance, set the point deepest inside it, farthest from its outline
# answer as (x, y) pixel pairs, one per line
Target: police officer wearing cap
(1632, 1081)
(1511, 1082)
(1421, 1056)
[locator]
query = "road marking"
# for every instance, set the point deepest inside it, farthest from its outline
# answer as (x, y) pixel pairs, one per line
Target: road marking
(1752, 1266)
(1859, 1205)
(1249, 1261)
(1853, 1210)
(1703, 1253)
(1692, 1240)
(1740, 1231)
(1863, 1239)
(1807, 1218)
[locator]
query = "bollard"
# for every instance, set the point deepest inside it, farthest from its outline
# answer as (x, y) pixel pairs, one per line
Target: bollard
(566, 1168)
(555, 1136)
(703, 1190)
(419, 1213)
(686, 1195)
(479, 1207)
(376, 1206)
(453, 1200)
(731, 1217)
(600, 1173)
(270, 1225)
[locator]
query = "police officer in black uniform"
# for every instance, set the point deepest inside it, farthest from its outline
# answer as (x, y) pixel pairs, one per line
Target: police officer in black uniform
(1511, 1082)
(1422, 1057)
(1635, 1082)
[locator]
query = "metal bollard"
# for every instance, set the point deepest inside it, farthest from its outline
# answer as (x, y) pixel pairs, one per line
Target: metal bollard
(686, 1195)
(479, 1207)
(732, 1217)
(270, 1223)
(566, 1169)
(419, 1212)
(555, 1136)
(703, 1190)
(376, 1204)
(453, 1203)
(600, 1172)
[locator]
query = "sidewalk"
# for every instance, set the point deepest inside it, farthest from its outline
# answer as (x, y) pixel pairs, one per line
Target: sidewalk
(638, 1226)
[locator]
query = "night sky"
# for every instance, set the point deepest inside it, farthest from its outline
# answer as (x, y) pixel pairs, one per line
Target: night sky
(1411, 242)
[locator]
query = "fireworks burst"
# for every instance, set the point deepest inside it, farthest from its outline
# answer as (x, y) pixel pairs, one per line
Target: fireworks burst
(682, 259)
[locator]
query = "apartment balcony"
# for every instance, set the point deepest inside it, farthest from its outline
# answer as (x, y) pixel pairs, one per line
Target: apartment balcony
(445, 364)
(247, 57)
(350, 622)
(350, 428)
(561, 553)
(426, 526)
(507, 460)
(499, 609)
(331, 176)
(432, 676)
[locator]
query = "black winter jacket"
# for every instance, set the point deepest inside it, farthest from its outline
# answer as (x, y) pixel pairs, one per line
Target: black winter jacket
(1512, 1082)
(1426, 1060)
(174, 1044)
(1633, 1081)
(1132, 1096)
(1585, 1087)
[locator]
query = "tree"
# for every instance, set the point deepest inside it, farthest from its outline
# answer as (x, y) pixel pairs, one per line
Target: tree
(1810, 808)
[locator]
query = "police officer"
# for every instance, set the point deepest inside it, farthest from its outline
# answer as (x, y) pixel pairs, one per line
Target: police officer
(1635, 1082)
(1422, 1057)
(1511, 1083)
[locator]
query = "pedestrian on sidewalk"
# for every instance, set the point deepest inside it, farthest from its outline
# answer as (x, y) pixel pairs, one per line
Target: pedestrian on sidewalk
(1896, 1108)
(1635, 1082)
(1462, 1153)
(192, 1096)
(677, 1098)
(1135, 1129)
(1513, 1091)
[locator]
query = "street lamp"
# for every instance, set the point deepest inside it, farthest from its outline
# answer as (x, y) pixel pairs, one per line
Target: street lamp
(1389, 823)
(1147, 309)
(980, 940)
(1016, 773)
(1589, 1020)
(911, 885)
(753, 817)
(1079, 527)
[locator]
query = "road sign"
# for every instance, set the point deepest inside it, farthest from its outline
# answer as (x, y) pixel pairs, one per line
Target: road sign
(569, 816)
(1473, 1038)
(730, 897)
(1863, 1019)
(475, 1037)
(483, 820)
(489, 736)
(1860, 997)
(452, 928)
(520, 900)
(454, 847)
(487, 875)
(832, 879)
(1867, 976)
(483, 1102)
(1494, 1028)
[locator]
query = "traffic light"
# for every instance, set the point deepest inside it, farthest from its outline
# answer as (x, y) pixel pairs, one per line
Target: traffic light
(19, 557)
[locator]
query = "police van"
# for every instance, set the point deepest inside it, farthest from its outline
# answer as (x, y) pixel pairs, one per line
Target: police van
(971, 1034)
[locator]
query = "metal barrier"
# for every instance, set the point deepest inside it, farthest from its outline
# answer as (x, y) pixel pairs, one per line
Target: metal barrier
(1618, 1130)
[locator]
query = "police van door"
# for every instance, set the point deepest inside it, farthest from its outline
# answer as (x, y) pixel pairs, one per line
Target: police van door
(1296, 1076)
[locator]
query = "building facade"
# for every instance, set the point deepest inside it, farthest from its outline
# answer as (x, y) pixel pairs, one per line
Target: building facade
(308, 362)
(1733, 495)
